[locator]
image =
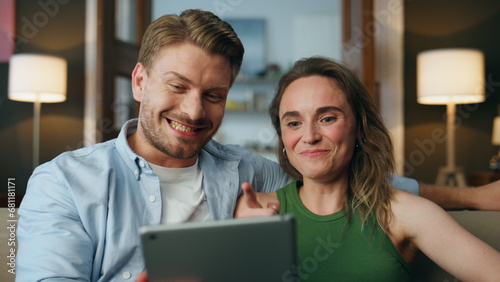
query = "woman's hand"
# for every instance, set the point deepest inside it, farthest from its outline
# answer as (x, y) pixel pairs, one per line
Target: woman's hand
(251, 204)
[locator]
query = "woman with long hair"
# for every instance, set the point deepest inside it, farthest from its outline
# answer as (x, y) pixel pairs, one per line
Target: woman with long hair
(352, 225)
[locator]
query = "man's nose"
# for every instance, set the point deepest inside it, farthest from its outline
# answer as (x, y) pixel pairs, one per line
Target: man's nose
(192, 105)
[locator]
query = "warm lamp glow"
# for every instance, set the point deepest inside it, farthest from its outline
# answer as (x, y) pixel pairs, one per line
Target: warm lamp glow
(450, 76)
(495, 139)
(37, 78)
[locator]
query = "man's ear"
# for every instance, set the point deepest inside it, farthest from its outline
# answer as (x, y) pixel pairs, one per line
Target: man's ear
(139, 77)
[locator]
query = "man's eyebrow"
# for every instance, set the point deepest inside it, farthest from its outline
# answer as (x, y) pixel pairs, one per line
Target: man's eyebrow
(183, 78)
(178, 75)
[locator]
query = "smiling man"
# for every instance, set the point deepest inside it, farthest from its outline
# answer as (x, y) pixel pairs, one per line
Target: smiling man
(82, 212)
(183, 96)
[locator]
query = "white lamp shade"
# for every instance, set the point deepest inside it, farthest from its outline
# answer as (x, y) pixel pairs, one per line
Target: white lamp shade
(34, 77)
(450, 76)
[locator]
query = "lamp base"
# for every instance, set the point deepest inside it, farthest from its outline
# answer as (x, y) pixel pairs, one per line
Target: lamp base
(495, 162)
(453, 177)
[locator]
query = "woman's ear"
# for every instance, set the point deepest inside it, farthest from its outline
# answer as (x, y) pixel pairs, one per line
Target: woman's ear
(139, 77)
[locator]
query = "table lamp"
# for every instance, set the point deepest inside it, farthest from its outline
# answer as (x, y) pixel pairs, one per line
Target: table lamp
(450, 77)
(495, 140)
(38, 79)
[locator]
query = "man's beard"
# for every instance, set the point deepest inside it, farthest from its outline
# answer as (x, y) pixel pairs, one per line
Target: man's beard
(184, 149)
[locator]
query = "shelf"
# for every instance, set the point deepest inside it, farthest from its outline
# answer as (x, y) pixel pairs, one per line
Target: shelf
(244, 107)
(246, 111)
(256, 80)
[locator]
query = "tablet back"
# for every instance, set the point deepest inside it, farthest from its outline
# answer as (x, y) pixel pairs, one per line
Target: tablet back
(256, 249)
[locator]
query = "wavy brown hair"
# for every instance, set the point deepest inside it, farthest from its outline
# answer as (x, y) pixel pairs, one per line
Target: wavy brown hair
(202, 28)
(372, 165)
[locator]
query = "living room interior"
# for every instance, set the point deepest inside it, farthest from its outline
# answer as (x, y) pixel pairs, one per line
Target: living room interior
(60, 29)
(446, 25)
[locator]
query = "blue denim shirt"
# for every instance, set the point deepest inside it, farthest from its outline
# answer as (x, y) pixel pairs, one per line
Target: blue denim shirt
(81, 215)
(82, 211)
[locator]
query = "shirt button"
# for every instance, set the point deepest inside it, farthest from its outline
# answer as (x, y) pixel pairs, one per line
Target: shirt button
(152, 198)
(126, 275)
(136, 173)
(141, 163)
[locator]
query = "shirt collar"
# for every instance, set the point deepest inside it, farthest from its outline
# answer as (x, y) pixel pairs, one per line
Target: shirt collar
(133, 161)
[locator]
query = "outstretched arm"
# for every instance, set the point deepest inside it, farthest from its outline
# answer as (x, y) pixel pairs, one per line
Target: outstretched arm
(443, 240)
(251, 204)
(486, 197)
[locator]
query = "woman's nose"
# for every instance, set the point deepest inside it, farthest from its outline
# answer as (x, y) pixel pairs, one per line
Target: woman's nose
(311, 134)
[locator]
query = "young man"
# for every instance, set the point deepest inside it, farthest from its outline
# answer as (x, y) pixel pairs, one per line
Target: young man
(82, 211)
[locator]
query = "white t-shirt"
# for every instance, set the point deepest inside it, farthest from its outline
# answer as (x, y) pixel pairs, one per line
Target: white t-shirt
(183, 199)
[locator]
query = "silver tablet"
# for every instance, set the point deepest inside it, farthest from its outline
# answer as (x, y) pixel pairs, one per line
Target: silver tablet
(255, 249)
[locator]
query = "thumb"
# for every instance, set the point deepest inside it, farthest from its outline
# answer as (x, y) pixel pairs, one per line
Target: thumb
(249, 196)
(275, 205)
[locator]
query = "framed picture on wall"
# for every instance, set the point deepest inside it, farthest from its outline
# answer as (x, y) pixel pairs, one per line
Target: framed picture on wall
(252, 33)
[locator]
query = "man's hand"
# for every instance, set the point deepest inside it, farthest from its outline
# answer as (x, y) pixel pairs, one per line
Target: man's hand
(486, 197)
(251, 203)
(143, 277)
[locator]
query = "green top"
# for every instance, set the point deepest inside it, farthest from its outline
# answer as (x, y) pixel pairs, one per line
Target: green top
(332, 248)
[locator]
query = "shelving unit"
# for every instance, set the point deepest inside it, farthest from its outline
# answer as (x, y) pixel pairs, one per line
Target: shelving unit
(247, 121)
(251, 95)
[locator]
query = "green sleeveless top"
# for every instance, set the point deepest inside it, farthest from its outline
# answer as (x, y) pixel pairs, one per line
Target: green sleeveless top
(334, 248)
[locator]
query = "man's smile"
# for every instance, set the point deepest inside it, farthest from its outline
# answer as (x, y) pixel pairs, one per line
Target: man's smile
(181, 127)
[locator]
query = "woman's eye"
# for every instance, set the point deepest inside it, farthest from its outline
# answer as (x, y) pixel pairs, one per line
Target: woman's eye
(293, 124)
(329, 119)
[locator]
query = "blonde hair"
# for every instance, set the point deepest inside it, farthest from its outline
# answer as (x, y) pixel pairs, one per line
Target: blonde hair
(372, 165)
(202, 28)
